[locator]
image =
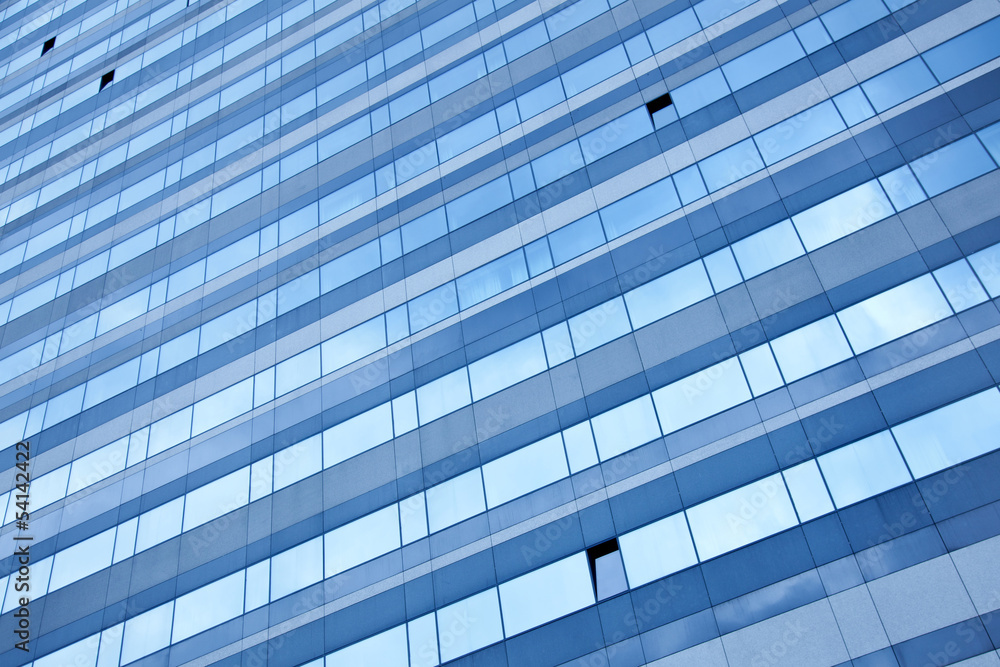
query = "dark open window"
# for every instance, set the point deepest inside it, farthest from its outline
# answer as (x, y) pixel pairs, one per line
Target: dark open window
(660, 103)
(48, 45)
(607, 572)
(106, 79)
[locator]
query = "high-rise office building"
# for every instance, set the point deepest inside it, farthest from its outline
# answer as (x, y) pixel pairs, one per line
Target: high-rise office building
(499, 332)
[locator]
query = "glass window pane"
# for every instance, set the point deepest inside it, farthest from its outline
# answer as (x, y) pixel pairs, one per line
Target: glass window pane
(147, 633)
(558, 345)
(798, 132)
(223, 406)
(844, 214)
(599, 325)
(850, 16)
(853, 106)
(424, 229)
(492, 279)
(469, 624)
(767, 249)
(473, 205)
(614, 135)
(730, 165)
(524, 470)
(898, 84)
(443, 395)
(894, 313)
(217, 498)
(432, 307)
(296, 568)
(640, 207)
(808, 491)
(357, 434)
(610, 574)
(362, 540)
(297, 371)
(455, 500)
(208, 606)
(297, 462)
(552, 166)
(740, 517)
(546, 594)
(388, 648)
(673, 30)
(986, 264)
(767, 58)
(423, 641)
(258, 585)
(625, 427)
(700, 92)
(761, 370)
(159, 524)
(507, 367)
(968, 50)
(413, 518)
(960, 285)
(688, 181)
(813, 347)
(595, 70)
(952, 165)
(863, 469)
(952, 434)
(169, 431)
(541, 98)
(580, 449)
(713, 11)
(82, 559)
(576, 238)
(812, 35)
(902, 187)
(354, 344)
(98, 465)
(701, 395)
(656, 550)
(668, 294)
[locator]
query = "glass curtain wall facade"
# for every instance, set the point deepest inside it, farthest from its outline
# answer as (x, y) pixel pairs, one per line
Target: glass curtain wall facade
(504, 332)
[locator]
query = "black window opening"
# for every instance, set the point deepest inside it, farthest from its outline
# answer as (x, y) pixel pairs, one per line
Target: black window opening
(106, 80)
(607, 572)
(48, 45)
(661, 111)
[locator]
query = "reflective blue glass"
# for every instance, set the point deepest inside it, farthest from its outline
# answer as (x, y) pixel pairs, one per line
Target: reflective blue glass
(898, 84)
(952, 165)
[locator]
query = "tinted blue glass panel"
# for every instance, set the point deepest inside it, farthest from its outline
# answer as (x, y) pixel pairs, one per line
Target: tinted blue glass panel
(556, 164)
(800, 131)
(576, 238)
(432, 307)
(731, 165)
(612, 136)
(966, 51)
(595, 70)
(898, 84)
(700, 92)
(850, 16)
(673, 30)
(639, 208)
(538, 100)
(497, 276)
(813, 35)
(767, 249)
(479, 202)
(424, 229)
(952, 165)
(765, 59)
(712, 11)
